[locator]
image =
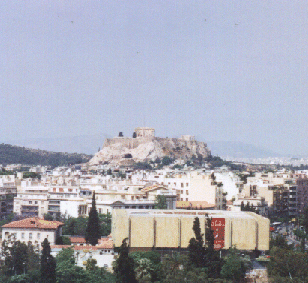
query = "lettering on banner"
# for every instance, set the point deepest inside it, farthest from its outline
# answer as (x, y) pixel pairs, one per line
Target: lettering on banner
(218, 227)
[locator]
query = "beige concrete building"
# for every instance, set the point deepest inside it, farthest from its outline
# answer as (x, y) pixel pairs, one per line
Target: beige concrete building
(172, 229)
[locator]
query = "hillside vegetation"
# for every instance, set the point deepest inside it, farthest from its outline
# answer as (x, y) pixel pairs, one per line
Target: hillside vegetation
(10, 154)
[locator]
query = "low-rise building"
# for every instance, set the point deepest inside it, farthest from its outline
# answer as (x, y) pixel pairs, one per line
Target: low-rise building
(33, 230)
(165, 230)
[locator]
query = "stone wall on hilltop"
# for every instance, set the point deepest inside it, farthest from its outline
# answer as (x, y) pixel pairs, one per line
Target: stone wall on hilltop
(123, 150)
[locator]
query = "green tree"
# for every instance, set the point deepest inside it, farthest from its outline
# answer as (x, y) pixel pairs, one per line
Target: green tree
(48, 217)
(160, 202)
(48, 264)
(287, 263)
(147, 265)
(124, 265)
(15, 258)
(144, 270)
(196, 246)
(279, 241)
(69, 227)
(235, 266)
(105, 224)
(66, 270)
(93, 227)
(213, 262)
(166, 160)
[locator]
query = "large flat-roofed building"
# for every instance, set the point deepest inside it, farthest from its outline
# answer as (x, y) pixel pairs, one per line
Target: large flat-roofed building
(172, 229)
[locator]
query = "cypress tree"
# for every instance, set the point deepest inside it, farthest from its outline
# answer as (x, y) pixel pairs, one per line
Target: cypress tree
(124, 265)
(48, 264)
(93, 228)
(195, 247)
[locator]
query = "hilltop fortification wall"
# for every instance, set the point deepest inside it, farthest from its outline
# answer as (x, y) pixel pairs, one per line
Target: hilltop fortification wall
(145, 146)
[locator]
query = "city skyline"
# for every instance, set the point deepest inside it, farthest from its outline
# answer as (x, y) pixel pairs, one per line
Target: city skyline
(222, 71)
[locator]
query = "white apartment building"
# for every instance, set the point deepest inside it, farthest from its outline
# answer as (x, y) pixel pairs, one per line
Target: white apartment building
(191, 186)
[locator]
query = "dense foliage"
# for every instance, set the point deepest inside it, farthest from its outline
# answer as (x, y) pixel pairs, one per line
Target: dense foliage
(77, 226)
(124, 265)
(48, 264)
(203, 255)
(10, 154)
(160, 202)
(20, 262)
(68, 272)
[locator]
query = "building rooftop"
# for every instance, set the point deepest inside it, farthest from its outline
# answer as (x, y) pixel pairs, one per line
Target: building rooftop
(34, 222)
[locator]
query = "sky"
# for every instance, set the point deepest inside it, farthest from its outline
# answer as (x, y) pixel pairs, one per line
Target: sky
(219, 70)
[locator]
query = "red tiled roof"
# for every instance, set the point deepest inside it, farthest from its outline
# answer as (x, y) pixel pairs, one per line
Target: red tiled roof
(76, 240)
(34, 222)
(105, 243)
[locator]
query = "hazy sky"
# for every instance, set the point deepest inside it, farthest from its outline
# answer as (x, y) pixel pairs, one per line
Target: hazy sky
(220, 70)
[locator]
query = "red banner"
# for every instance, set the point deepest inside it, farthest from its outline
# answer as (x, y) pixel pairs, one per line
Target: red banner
(218, 227)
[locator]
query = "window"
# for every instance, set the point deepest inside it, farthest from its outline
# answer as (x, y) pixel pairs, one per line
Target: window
(38, 235)
(35, 202)
(22, 235)
(187, 192)
(30, 201)
(182, 185)
(30, 236)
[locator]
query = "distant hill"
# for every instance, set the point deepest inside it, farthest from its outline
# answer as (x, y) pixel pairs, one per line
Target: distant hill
(88, 144)
(10, 154)
(239, 150)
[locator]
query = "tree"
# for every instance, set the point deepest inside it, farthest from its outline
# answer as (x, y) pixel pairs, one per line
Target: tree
(160, 202)
(196, 247)
(15, 258)
(93, 227)
(48, 217)
(166, 160)
(235, 266)
(48, 264)
(280, 242)
(105, 224)
(147, 266)
(212, 260)
(124, 265)
(242, 206)
(144, 270)
(66, 270)
(288, 264)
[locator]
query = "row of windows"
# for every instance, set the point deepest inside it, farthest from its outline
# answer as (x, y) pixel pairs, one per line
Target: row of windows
(14, 235)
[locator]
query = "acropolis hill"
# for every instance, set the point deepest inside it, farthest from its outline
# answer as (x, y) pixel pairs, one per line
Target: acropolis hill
(144, 146)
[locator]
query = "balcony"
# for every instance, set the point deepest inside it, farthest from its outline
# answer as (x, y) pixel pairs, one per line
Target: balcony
(54, 209)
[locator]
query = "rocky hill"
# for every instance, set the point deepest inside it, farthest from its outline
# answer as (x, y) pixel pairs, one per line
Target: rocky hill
(145, 146)
(10, 154)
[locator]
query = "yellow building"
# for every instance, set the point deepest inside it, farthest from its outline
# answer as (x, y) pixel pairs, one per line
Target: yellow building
(172, 229)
